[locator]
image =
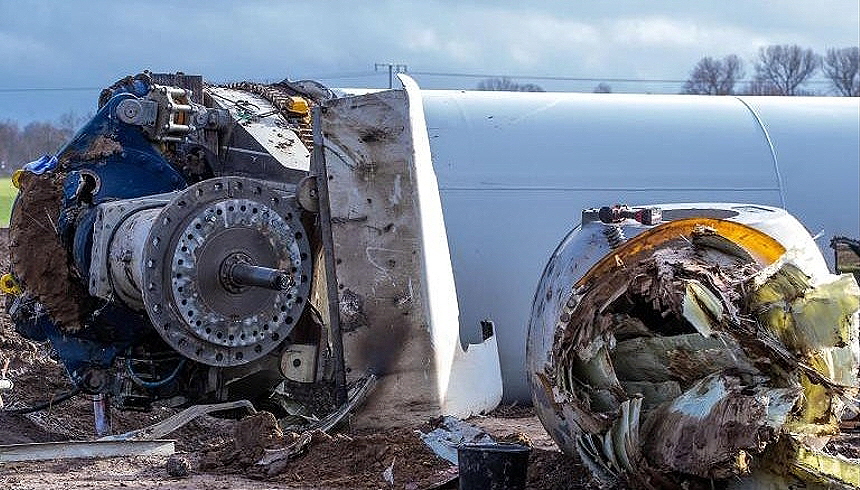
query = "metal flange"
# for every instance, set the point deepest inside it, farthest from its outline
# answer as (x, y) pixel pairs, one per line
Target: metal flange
(195, 239)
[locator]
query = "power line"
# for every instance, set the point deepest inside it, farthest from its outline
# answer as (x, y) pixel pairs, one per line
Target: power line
(331, 76)
(48, 89)
(400, 68)
(335, 76)
(392, 69)
(571, 79)
(543, 77)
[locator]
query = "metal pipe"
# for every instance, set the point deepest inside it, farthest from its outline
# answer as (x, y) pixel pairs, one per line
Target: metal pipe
(243, 274)
(181, 107)
(101, 414)
(125, 256)
(179, 128)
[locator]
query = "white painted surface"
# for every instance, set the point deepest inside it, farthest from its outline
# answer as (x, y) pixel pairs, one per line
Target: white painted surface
(516, 169)
(469, 380)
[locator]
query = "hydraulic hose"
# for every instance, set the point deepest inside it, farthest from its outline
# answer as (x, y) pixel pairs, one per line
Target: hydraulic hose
(55, 400)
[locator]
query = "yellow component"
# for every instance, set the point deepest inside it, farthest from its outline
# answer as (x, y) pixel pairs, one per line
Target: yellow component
(815, 416)
(816, 323)
(825, 468)
(9, 285)
(16, 178)
(762, 247)
(298, 105)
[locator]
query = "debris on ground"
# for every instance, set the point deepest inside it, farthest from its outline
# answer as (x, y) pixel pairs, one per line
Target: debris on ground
(208, 447)
(177, 466)
(448, 433)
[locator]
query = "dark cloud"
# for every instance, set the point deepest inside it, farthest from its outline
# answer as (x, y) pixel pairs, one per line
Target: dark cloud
(92, 43)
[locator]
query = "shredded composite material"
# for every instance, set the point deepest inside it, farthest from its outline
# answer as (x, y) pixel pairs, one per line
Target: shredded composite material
(697, 367)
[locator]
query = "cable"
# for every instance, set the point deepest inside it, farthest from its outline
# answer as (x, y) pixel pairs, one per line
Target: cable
(542, 77)
(331, 76)
(49, 89)
(335, 76)
(153, 384)
(570, 79)
(55, 400)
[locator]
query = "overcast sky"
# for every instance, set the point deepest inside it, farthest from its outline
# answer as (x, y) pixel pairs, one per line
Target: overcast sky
(91, 43)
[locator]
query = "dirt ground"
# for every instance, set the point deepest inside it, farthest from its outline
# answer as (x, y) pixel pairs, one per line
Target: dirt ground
(217, 458)
(220, 453)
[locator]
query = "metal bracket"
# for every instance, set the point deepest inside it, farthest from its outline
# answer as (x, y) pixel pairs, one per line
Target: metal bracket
(307, 194)
(174, 422)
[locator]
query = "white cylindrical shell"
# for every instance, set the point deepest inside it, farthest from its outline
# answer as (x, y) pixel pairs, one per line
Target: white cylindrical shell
(516, 169)
(125, 256)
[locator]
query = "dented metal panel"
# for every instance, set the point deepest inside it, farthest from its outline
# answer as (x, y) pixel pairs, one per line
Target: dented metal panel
(397, 305)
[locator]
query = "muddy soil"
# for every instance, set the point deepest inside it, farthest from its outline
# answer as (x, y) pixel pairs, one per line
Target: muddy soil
(37, 254)
(220, 453)
(218, 459)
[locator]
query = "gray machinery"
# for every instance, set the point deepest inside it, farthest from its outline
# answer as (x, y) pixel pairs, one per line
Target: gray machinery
(179, 261)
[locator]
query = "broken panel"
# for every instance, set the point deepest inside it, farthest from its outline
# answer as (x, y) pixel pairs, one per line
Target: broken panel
(696, 351)
(395, 297)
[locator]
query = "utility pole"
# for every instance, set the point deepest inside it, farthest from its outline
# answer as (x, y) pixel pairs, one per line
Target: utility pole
(392, 69)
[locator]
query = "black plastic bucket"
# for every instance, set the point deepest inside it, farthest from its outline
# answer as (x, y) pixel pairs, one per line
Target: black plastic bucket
(492, 466)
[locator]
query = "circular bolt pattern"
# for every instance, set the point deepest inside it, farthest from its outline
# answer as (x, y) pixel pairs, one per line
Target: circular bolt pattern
(186, 298)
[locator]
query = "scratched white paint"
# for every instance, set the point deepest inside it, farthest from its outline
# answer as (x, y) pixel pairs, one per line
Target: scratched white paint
(397, 192)
(470, 380)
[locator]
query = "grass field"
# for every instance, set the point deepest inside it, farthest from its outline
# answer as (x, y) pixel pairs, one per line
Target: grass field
(7, 195)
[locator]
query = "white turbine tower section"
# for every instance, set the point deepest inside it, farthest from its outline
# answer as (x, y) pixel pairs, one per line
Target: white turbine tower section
(515, 170)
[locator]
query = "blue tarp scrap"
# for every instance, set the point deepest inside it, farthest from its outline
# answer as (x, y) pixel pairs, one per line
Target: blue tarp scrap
(42, 165)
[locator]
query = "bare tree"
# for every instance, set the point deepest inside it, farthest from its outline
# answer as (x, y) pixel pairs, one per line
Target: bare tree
(842, 68)
(71, 122)
(712, 76)
(602, 88)
(21, 145)
(786, 67)
(760, 87)
(9, 133)
(507, 85)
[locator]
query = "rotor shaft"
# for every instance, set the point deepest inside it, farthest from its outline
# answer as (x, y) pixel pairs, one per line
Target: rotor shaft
(242, 274)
